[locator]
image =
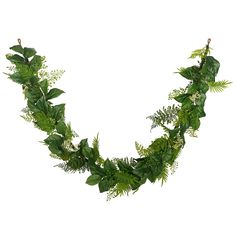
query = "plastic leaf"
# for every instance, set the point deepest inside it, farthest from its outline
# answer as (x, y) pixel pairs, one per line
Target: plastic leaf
(93, 179)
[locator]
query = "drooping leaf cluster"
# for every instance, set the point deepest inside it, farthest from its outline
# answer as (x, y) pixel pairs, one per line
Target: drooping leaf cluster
(120, 175)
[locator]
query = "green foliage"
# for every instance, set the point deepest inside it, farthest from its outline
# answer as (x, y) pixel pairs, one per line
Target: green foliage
(190, 73)
(165, 116)
(118, 176)
(218, 86)
(199, 53)
(143, 152)
(93, 179)
(53, 93)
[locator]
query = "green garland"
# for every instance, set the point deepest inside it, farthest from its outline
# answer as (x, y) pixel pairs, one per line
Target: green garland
(121, 175)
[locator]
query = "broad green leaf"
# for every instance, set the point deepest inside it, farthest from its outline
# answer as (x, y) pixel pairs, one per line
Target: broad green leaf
(109, 166)
(17, 48)
(195, 123)
(29, 52)
(61, 128)
(33, 93)
(42, 105)
(57, 112)
(55, 139)
(210, 69)
(93, 179)
(44, 86)
(203, 86)
(15, 59)
(55, 150)
(97, 170)
(16, 77)
(104, 185)
(190, 73)
(182, 97)
(36, 63)
(53, 93)
(86, 151)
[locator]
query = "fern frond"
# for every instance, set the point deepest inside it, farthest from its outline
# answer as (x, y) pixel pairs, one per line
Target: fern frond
(165, 116)
(164, 173)
(129, 161)
(143, 152)
(95, 145)
(124, 185)
(120, 189)
(218, 86)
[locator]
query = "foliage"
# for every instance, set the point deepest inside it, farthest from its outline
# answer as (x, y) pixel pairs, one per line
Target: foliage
(165, 116)
(116, 176)
(218, 86)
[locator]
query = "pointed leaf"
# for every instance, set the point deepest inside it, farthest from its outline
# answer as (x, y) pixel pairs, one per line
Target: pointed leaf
(15, 59)
(29, 52)
(104, 185)
(17, 48)
(93, 179)
(53, 93)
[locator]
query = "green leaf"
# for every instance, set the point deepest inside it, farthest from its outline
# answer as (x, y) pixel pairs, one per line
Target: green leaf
(109, 166)
(42, 105)
(159, 144)
(65, 130)
(15, 59)
(17, 78)
(195, 123)
(33, 94)
(182, 97)
(85, 150)
(190, 73)
(198, 53)
(104, 185)
(29, 52)
(44, 86)
(57, 112)
(54, 139)
(203, 87)
(36, 63)
(210, 69)
(61, 128)
(218, 86)
(124, 166)
(55, 150)
(53, 93)
(97, 170)
(17, 48)
(141, 150)
(43, 122)
(93, 179)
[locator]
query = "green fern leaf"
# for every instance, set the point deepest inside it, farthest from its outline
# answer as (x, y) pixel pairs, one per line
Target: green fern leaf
(218, 86)
(164, 173)
(143, 152)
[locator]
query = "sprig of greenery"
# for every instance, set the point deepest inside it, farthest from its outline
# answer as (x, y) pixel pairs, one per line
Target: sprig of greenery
(117, 176)
(218, 86)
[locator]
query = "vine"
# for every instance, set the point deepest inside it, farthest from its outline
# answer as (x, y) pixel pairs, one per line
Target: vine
(121, 175)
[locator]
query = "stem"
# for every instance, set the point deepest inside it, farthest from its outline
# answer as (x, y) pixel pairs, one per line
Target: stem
(205, 53)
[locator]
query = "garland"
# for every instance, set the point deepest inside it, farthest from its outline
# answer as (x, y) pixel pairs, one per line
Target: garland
(121, 175)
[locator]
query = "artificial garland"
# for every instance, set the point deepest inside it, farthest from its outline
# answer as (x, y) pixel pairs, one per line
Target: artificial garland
(121, 175)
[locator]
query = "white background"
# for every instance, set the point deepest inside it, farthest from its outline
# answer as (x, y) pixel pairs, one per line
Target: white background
(119, 58)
